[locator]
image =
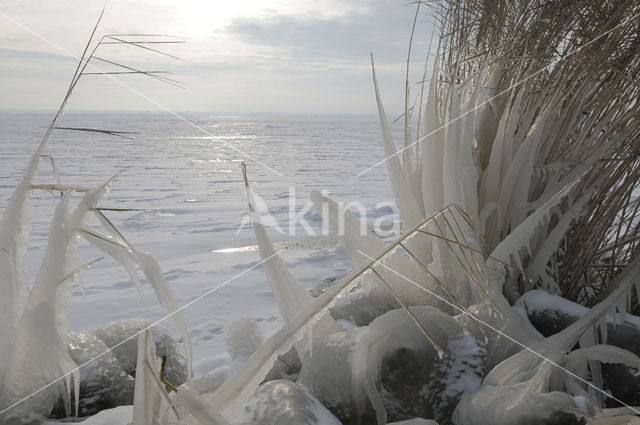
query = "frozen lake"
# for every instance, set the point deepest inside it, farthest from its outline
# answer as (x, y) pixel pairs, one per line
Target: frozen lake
(186, 189)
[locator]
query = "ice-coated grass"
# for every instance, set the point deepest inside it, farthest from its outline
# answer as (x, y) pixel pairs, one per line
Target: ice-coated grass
(529, 127)
(35, 366)
(507, 99)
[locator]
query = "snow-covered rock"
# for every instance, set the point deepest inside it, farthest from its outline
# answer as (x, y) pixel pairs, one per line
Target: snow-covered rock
(460, 371)
(415, 385)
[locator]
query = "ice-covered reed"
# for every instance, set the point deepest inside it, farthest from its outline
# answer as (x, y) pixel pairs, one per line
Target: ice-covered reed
(35, 367)
(528, 146)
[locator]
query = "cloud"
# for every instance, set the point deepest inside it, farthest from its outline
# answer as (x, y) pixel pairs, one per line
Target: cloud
(30, 54)
(313, 57)
(382, 29)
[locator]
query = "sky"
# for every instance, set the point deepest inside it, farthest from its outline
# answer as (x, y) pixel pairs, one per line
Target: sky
(269, 56)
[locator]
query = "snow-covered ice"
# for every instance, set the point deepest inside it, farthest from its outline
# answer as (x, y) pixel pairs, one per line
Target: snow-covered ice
(188, 199)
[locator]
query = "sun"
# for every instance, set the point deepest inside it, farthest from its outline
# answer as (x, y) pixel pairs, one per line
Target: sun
(199, 18)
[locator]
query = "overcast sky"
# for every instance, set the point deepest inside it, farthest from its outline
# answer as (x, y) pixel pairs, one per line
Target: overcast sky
(240, 56)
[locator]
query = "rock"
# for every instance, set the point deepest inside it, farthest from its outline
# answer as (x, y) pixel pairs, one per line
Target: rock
(283, 402)
(460, 370)
(113, 335)
(326, 372)
(108, 381)
(550, 314)
(103, 382)
(403, 375)
(243, 339)
(16, 420)
(286, 366)
(415, 421)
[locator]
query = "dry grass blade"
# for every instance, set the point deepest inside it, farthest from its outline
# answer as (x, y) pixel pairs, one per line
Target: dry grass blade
(92, 234)
(170, 81)
(78, 269)
(404, 305)
(145, 35)
(125, 72)
(145, 42)
(82, 64)
(470, 248)
(54, 168)
(140, 45)
(123, 209)
(472, 277)
(121, 134)
(450, 294)
(473, 269)
(60, 188)
(477, 263)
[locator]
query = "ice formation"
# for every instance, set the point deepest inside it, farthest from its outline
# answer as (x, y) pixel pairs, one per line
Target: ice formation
(503, 169)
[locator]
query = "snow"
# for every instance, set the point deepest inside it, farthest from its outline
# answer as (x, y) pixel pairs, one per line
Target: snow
(463, 371)
(188, 210)
(539, 300)
(120, 415)
(191, 202)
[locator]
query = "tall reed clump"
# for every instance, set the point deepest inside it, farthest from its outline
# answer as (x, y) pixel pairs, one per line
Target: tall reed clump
(35, 367)
(522, 174)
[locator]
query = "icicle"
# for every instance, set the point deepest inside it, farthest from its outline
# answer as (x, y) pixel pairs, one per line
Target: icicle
(514, 382)
(537, 267)
(432, 145)
(37, 343)
(359, 245)
(409, 210)
(236, 390)
(121, 250)
(344, 224)
(521, 236)
(290, 294)
(197, 407)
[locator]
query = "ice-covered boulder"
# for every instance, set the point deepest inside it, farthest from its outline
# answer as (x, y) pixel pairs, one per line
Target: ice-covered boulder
(283, 402)
(121, 336)
(117, 416)
(509, 404)
(326, 372)
(459, 371)
(243, 339)
(286, 366)
(413, 384)
(109, 364)
(103, 382)
(415, 421)
(550, 314)
(362, 306)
